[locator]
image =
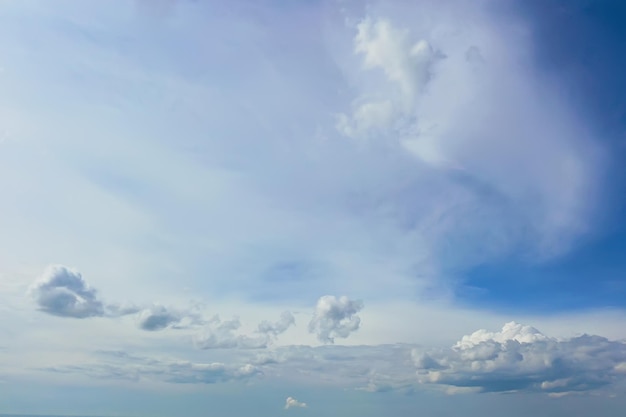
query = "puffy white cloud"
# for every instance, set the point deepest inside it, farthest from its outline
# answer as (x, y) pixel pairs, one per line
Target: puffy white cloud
(510, 331)
(335, 317)
(62, 291)
(520, 358)
(291, 402)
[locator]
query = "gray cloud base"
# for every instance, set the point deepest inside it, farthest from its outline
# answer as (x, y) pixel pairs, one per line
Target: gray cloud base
(520, 358)
(63, 292)
(517, 359)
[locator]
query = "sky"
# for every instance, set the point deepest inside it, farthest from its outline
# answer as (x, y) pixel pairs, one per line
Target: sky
(312, 208)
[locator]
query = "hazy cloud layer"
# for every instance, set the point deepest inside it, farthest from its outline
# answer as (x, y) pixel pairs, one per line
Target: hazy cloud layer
(124, 366)
(335, 317)
(518, 359)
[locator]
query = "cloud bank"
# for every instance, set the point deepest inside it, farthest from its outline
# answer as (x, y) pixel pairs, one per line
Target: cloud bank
(520, 358)
(517, 359)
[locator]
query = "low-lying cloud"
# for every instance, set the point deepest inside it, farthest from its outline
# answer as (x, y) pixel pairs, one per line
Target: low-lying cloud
(520, 358)
(116, 365)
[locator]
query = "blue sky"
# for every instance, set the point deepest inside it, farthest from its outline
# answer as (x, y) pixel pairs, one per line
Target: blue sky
(312, 208)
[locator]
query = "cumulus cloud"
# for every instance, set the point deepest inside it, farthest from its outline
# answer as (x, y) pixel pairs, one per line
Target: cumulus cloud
(291, 402)
(335, 317)
(63, 292)
(520, 358)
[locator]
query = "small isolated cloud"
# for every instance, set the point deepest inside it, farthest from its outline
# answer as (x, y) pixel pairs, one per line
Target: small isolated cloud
(335, 317)
(520, 358)
(293, 403)
(63, 292)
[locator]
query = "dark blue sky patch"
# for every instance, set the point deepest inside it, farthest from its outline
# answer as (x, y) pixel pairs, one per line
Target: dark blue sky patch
(593, 276)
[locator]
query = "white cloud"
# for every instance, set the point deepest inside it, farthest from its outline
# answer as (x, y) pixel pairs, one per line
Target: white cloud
(520, 358)
(511, 331)
(456, 172)
(508, 361)
(218, 334)
(366, 117)
(453, 114)
(293, 403)
(335, 317)
(386, 47)
(437, 189)
(286, 320)
(62, 291)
